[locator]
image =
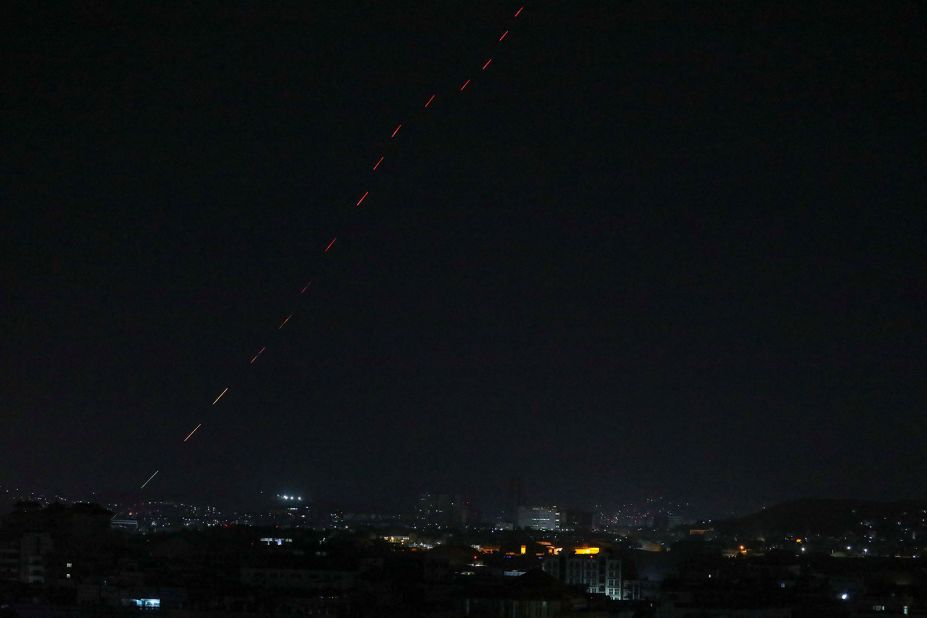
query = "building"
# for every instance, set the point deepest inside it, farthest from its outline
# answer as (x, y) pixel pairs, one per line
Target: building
(516, 498)
(598, 572)
(22, 557)
(531, 595)
(435, 510)
(575, 520)
(126, 523)
(317, 580)
(539, 517)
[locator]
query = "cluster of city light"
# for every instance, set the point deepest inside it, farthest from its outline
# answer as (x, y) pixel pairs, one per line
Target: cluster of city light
(286, 497)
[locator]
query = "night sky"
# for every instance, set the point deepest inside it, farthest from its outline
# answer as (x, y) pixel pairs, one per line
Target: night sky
(670, 249)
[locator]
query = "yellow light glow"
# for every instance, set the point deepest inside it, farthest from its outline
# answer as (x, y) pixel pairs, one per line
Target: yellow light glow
(524, 548)
(586, 551)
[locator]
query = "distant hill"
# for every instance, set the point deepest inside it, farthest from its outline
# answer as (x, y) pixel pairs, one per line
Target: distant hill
(831, 517)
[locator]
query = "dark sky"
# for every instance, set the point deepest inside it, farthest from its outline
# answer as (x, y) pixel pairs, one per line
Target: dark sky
(669, 249)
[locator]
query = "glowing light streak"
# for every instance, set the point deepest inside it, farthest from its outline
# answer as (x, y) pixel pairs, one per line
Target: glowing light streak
(259, 352)
(190, 435)
(221, 395)
(149, 479)
(431, 99)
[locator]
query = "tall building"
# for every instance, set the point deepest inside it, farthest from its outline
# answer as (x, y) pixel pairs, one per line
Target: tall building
(434, 510)
(516, 498)
(575, 520)
(538, 517)
(22, 557)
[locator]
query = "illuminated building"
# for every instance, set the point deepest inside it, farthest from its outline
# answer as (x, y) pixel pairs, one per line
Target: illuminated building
(538, 517)
(128, 524)
(600, 572)
(289, 510)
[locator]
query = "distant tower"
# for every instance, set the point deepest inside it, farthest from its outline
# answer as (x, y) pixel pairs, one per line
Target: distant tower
(441, 510)
(516, 499)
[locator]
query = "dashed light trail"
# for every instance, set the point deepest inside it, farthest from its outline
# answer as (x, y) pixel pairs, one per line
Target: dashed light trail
(429, 103)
